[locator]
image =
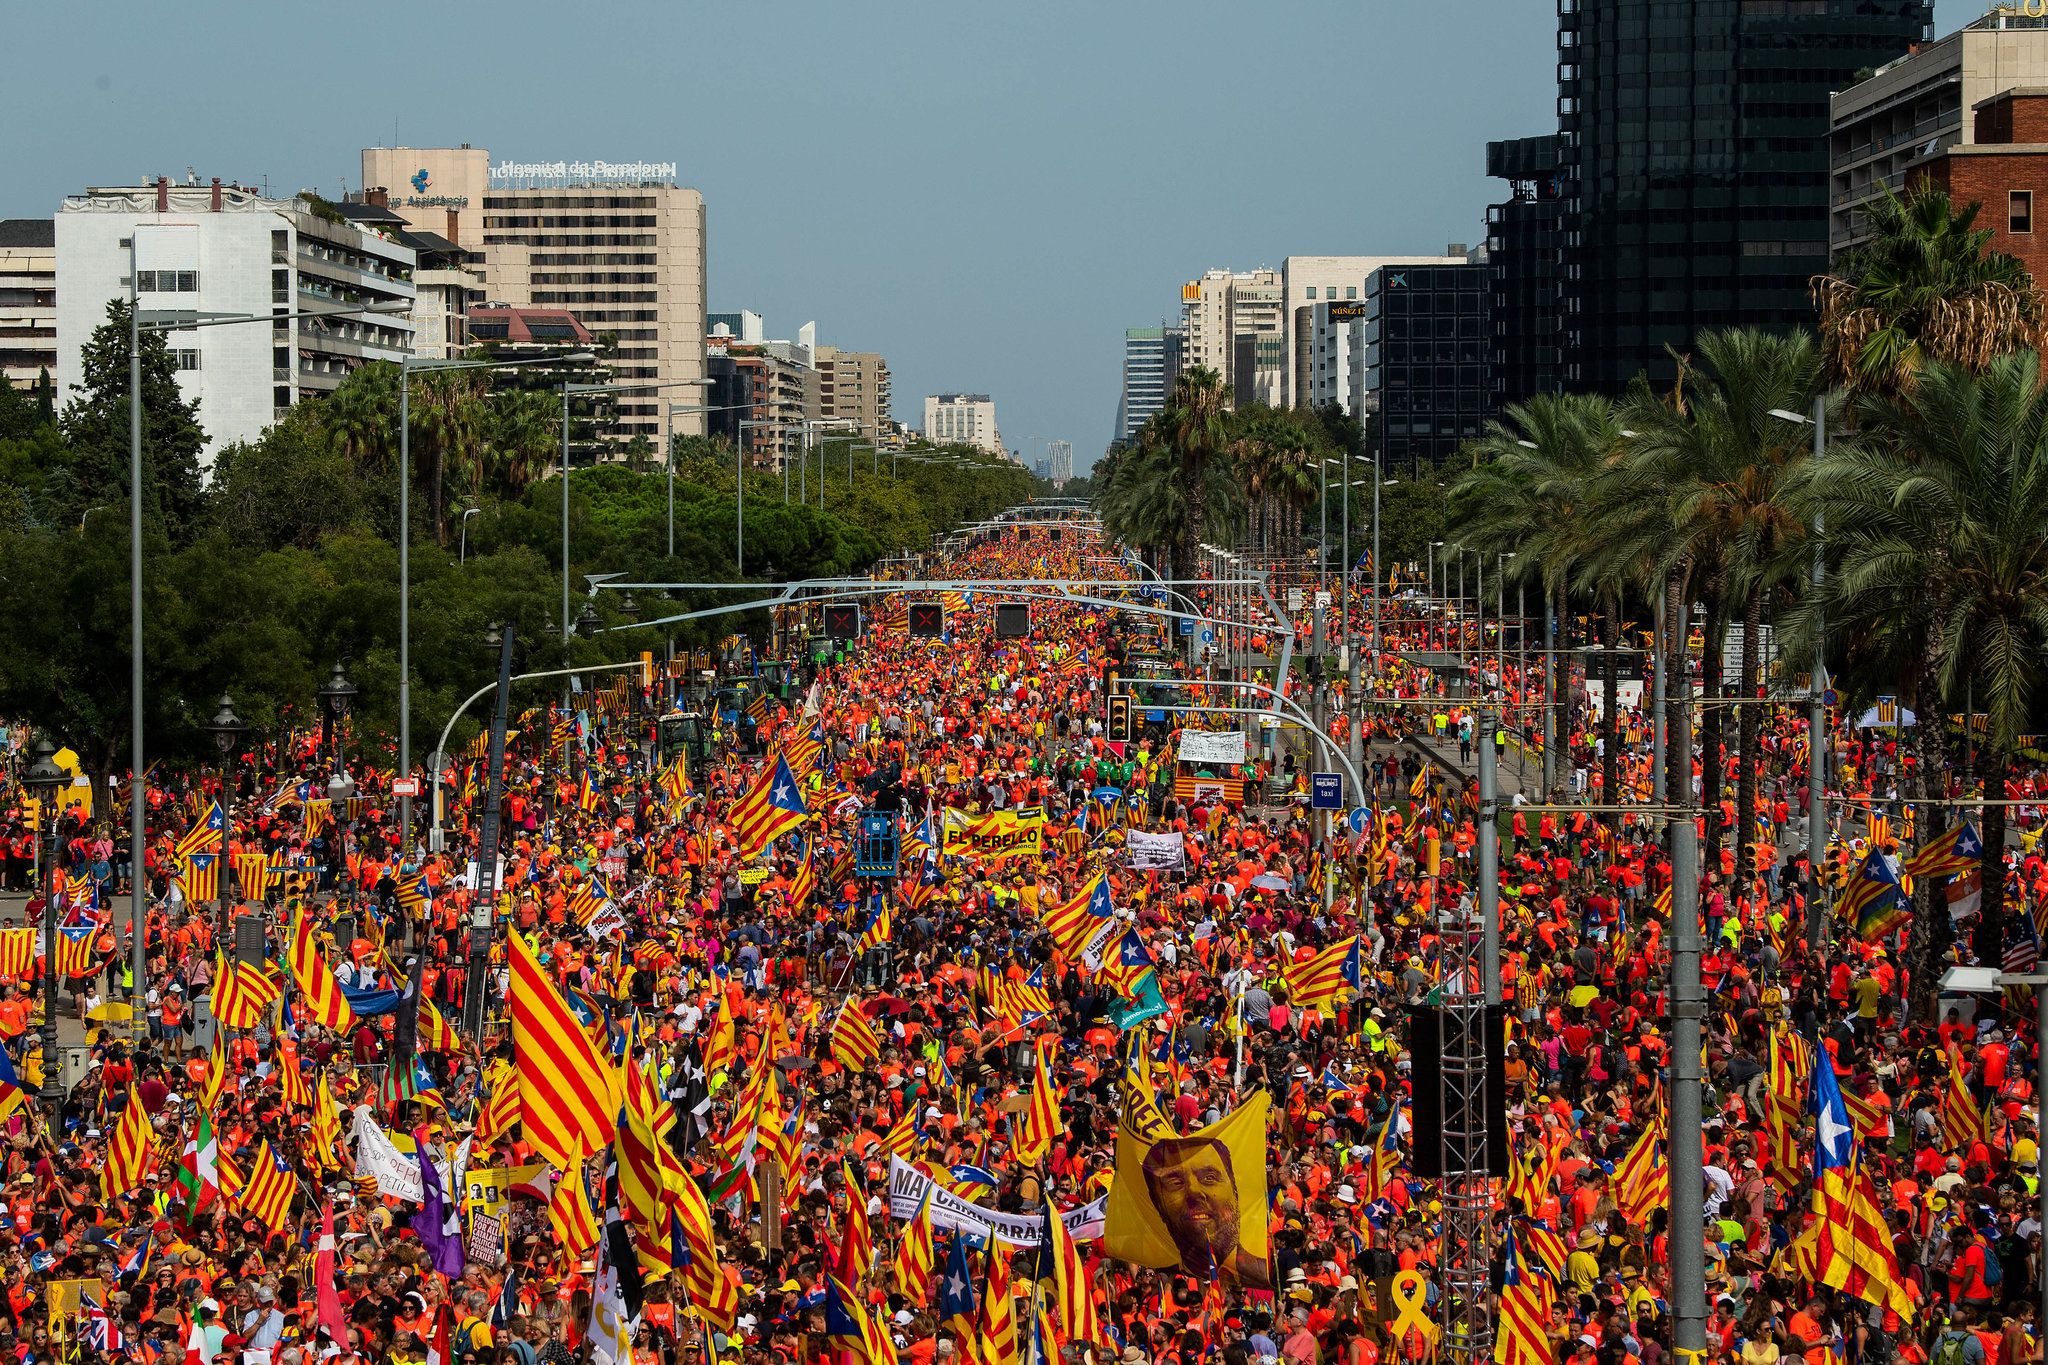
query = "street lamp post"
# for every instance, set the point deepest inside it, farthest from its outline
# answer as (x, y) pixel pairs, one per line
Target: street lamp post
(336, 695)
(463, 556)
(164, 321)
(669, 420)
(227, 730)
(1816, 704)
(46, 779)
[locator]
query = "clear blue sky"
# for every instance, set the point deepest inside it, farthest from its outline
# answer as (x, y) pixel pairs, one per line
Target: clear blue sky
(988, 195)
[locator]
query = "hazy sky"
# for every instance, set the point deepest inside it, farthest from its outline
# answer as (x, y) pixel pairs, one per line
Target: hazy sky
(987, 195)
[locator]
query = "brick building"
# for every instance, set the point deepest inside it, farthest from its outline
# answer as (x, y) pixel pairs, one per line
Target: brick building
(2006, 170)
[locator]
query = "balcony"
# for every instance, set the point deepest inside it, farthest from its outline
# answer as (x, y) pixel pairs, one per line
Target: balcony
(1951, 120)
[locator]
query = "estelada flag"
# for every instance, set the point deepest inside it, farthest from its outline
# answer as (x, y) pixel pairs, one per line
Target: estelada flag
(1195, 1204)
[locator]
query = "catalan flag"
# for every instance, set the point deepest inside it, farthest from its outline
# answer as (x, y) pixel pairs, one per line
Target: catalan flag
(18, 952)
(855, 1044)
(207, 833)
(317, 988)
(770, 808)
(243, 993)
(132, 1149)
(1849, 1246)
(199, 878)
(412, 892)
(1949, 854)
(76, 956)
(1962, 1122)
(252, 871)
(1070, 1279)
(1386, 1154)
(564, 1080)
(586, 795)
(1079, 925)
(1330, 977)
(1874, 901)
(1526, 1299)
(877, 931)
(1644, 1176)
(267, 1188)
(998, 1323)
(913, 1269)
(1042, 1120)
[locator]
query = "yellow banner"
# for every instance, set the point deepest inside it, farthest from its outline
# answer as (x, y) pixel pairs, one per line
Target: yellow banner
(998, 835)
(1195, 1204)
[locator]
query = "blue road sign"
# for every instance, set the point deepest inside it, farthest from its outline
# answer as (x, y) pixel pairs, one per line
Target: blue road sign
(1208, 637)
(1326, 791)
(1187, 625)
(1358, 818)
(1829, 697)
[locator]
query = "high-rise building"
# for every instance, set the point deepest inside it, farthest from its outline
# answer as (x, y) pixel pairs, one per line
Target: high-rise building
(1925, 112)
(963, 418)
(1693, 167)
(1521, 244)
(1232, 322)
(618, 244)
(226, 249)
(1334, 335)
(853, 390)
(1427, 344)
(1145, 383)
(1306, 281)
(28, 299)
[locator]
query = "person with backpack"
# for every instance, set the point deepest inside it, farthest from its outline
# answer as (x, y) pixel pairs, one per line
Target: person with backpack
(1975, 1275)
(1957, 1344)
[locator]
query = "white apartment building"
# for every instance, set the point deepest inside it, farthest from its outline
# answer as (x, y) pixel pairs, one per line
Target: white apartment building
(964, 418)
(1335, 368)
(1310, 280)
(226, 249)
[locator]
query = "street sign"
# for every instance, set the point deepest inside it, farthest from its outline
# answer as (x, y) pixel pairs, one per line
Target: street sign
(1294, 599)
(1829, 697)
(1326, 791)
(1208, 637)
(405, 786)
(1324, 598)
(1358, 819)
(1187, 625)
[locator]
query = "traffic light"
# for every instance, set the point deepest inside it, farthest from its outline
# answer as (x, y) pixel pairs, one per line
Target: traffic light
(1053, 535)
(1023, 533)
(842, 620)
(1013, 620)
(1120, 719)
(927, 620)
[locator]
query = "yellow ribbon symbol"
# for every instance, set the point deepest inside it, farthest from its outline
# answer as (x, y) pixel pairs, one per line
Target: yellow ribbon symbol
(1409, 1292)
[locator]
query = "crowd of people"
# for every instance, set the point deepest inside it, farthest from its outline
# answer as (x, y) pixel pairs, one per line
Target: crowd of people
(807, 1043)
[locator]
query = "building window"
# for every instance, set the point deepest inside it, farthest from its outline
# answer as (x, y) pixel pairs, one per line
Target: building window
(1311, 291)
(1350, 291)
(2021, 210)
(188, 360)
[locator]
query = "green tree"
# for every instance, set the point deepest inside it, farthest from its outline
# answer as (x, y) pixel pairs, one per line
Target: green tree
(1937, 520)
(1196, 425)
(1924, 287)
(94, 468)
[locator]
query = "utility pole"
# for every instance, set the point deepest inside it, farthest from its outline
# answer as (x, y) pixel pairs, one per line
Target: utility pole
(1688, 1005)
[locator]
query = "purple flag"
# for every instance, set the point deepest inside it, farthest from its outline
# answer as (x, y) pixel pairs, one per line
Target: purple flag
(438, 1224)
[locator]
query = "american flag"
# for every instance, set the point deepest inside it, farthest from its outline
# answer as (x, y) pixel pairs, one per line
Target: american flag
(2021, 951)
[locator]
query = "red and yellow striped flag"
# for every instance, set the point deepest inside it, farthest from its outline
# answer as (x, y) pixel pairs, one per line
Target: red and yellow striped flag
(1042, 1120)
(855, 1044)
(131, 1152)
(565, 1083)
(319, 993)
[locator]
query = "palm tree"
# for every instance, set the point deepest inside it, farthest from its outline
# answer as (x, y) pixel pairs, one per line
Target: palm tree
(447, 413)
(1924, 288)
(525, 437)
(1197, 425)
(1720, 466)
(362, 413)
(1529, 494)
(1938, 520)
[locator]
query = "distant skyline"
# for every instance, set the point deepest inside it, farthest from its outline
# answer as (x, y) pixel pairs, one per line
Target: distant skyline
(988, 197)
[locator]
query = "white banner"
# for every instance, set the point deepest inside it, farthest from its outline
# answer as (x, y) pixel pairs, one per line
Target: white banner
(1155, 852)
(907, 1186)
(1212, 746)
(398, 1173)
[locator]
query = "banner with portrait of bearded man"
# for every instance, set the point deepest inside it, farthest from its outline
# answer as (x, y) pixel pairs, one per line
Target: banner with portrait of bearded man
(1195, 1204)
